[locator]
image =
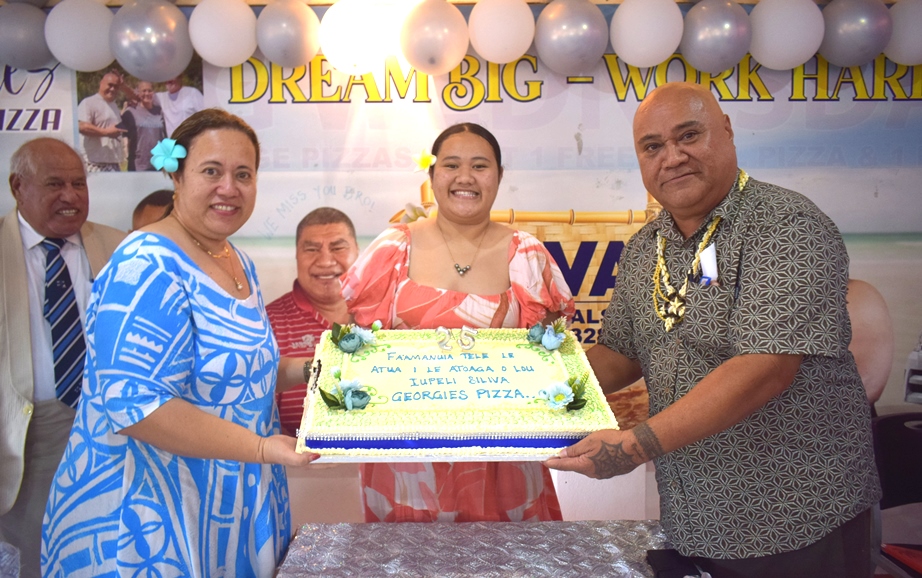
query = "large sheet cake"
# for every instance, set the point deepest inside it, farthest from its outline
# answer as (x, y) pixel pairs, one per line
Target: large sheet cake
(448, 396)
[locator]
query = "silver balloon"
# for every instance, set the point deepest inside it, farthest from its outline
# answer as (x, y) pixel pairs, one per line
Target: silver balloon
(571, 36)
(150, 39)
(22, 37)
(716, 36)
(856, 31)
(287, 32)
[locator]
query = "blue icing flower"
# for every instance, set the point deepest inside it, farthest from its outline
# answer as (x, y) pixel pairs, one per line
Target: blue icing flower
(552, 339)
(350, 342)
(356, 399)
(166, 155)
(349, 385)
(535, 333)
(366, 335)
(353, 396)
(558, 395)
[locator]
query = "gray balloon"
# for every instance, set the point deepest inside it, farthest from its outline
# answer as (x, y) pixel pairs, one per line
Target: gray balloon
(716, 36)
(856, 31)
(22, 37)
(571, 36)
(150, 39)
(287, 32)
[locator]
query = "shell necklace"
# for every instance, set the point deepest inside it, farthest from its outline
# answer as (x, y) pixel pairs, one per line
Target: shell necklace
(669, 302)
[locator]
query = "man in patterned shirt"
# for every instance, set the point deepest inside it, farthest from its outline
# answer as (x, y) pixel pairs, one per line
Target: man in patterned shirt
(759, 423)
(326, 248)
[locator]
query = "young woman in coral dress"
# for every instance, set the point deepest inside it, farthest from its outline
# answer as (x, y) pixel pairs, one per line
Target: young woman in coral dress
(458, 269)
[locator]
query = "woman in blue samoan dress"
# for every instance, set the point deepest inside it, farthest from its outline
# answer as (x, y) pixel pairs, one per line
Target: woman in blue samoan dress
(175, 463)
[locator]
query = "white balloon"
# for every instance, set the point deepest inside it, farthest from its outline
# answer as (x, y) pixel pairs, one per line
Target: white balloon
(22, 37)
(434, 37)
(287, 32)
(785, 33)
(65, 31)
(355, 35)
(502, 30)
(646, 32)
(905, 46)
(223, 32)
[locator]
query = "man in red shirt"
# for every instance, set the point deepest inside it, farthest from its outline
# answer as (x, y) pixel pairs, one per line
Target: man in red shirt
(326, 248)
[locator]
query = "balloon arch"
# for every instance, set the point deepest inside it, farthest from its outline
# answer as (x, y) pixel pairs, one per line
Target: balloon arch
(154, 41)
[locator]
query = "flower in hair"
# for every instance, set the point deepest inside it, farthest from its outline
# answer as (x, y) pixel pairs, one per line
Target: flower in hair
(423, 161)
(166, 155)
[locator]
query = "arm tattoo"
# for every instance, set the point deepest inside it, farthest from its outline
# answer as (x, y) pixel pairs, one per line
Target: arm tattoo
(611, 460)
(648, 442)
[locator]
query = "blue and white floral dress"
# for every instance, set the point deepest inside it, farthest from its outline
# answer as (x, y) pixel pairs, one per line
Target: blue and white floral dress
(158, 328)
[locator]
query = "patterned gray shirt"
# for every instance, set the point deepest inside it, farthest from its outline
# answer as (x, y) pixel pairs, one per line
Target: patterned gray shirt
(801, 465)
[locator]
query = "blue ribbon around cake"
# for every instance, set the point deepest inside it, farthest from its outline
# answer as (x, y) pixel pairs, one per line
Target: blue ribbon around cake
(438, 443)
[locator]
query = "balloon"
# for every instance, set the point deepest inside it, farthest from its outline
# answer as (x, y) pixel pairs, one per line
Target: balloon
(785, 33)
(434, 37)
(717, 35)
(22, 37)
(502, 30)
(65, 31)
(287, 33)
(150, 39)
(646, 32)
(905, 46)
(856, 31)
(571, 36)
(223, 32)
(355, 36)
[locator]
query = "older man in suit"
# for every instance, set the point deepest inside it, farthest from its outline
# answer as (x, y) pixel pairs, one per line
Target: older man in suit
(49, 255)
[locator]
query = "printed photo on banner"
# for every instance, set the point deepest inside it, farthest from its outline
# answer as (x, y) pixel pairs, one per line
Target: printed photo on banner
(120, 118)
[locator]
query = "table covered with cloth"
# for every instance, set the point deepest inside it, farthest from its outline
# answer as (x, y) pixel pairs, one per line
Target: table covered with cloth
(488, 549)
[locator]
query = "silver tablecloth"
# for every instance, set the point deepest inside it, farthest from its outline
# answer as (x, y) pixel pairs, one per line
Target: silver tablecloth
(485, 549)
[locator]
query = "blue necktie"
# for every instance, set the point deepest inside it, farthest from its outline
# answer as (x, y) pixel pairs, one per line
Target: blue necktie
(67, 344)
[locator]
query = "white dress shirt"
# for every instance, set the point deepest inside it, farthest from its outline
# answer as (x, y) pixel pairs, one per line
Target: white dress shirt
(81, 279)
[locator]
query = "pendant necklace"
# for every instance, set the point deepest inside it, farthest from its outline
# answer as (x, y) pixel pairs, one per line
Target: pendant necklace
(462, 270)
(221, 255)
(669, 302)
